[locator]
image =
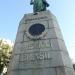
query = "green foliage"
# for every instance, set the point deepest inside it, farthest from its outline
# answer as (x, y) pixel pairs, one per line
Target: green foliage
(5, 53)
(74, 66)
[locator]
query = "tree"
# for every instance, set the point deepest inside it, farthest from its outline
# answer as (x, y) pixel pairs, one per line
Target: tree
(74, 66)
(5, 53)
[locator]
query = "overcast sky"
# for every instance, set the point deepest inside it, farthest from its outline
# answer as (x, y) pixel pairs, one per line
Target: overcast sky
(11, 12)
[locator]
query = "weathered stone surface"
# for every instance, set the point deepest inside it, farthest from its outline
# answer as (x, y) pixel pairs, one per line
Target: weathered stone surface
(64, 71)
(57, 44)
(44, 56)
(19, 37)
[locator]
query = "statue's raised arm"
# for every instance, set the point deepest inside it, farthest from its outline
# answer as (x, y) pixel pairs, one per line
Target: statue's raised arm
(39, 5)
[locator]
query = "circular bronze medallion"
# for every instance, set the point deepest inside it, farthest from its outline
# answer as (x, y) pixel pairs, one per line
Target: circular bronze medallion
(36, 29)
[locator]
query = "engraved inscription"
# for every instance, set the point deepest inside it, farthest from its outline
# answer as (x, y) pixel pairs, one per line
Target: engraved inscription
(36, 44)
(28, 45)
(32, 57)
(44, 44)
(31, 19)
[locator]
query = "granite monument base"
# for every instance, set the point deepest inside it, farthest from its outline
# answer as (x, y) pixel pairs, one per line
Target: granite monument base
(39, 47)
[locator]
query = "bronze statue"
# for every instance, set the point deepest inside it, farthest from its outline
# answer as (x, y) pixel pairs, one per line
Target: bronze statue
(39, 5)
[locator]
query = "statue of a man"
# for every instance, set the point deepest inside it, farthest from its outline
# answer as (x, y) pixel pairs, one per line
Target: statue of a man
(39, 5)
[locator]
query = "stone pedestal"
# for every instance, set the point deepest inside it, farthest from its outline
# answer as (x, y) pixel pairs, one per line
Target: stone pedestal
(39, 47)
